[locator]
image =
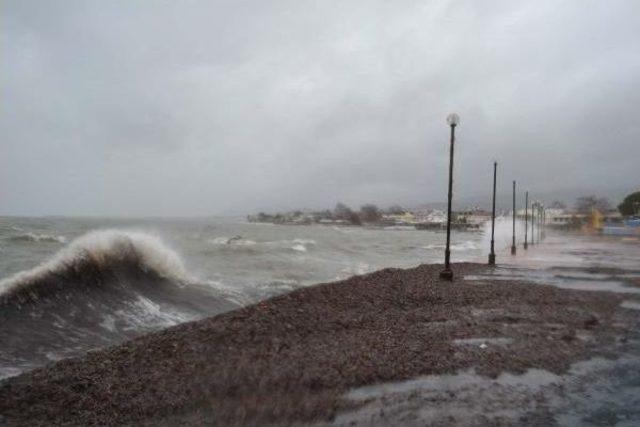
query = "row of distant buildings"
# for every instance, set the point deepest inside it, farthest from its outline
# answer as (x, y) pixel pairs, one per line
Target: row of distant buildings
(466, 219)
(554, 218)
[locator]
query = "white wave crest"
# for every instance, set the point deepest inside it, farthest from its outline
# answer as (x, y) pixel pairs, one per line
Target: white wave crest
(297, 244)
(230, 293)
(103, 246)
(465, 246)
(145, 313)
(358, 269)
(304, 241)
(237, 240)
(34, 237)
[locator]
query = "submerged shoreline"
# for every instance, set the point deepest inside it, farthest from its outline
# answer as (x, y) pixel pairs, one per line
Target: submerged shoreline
(291, 358)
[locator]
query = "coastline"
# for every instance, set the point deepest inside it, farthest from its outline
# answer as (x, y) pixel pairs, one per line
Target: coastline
(291, 358)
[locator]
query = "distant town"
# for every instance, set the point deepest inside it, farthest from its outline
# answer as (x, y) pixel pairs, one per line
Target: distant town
(587, 211)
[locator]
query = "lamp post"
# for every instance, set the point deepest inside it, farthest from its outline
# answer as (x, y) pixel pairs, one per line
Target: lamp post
(533, 221)
(526, 218)
(538, 222)
(513, 241)
(543, 217)
(541, 223)
(447, 274)
(492, 254)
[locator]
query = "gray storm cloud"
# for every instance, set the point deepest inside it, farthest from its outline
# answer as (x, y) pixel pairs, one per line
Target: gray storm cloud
(200, 107)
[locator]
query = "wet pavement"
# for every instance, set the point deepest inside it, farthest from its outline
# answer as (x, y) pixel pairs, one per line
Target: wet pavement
(602, 391)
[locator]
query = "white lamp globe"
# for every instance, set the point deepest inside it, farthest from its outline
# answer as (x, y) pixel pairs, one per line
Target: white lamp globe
(453, 119)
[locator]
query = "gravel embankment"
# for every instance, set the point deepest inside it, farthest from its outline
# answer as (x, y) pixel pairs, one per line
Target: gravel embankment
(291, 358)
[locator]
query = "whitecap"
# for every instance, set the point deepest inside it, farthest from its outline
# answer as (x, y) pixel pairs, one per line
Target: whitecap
(304, 241)
(35, 237)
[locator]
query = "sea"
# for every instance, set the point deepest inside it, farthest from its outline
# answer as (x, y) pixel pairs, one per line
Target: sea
(73, 285)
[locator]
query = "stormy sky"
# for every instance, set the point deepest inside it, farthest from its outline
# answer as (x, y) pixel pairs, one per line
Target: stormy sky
(187, 107)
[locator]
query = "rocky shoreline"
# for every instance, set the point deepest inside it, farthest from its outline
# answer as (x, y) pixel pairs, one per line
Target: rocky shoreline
(291, 359)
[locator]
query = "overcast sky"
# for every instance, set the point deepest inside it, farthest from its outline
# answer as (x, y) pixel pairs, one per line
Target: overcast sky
(156, 107)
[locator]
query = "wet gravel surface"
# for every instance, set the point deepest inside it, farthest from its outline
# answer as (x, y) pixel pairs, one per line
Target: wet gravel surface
(291, 359)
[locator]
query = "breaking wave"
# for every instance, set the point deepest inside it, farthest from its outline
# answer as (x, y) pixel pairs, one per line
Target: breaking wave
(102, 288)
(88, 259)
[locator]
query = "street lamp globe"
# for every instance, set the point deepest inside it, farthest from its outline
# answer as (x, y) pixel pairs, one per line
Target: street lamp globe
(453, 119)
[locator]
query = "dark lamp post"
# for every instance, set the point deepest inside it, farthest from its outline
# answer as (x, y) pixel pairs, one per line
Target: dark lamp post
(540, 222)
(513, 241)
(492, 254)
(533, 221)
(526, 218)
(447, 274)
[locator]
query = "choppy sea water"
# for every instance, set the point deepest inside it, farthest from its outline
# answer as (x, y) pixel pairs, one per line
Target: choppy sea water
(69, 285)
(237, 254)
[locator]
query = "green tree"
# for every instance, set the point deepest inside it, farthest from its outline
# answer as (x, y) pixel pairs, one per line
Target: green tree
(370, 213)
(342, 211)
(585, 204)
(354, 219)
(396, 210)
(630, 205)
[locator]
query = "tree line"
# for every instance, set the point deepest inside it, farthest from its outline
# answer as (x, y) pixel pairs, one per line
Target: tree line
(368, 213)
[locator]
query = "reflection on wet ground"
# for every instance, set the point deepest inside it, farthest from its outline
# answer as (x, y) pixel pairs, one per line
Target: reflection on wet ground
(590, 263)
(567, 278)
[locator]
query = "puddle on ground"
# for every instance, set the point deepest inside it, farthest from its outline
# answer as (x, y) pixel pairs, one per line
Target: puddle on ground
(534, 378)
(610, 286)
(573, 275)
(633, 305)
(456, 398)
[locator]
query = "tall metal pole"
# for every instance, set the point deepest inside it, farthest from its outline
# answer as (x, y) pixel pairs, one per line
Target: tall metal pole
(447, 274)
(492, 254)
(533, 221)
(540, 222)
(513, 241)
(526, 218)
